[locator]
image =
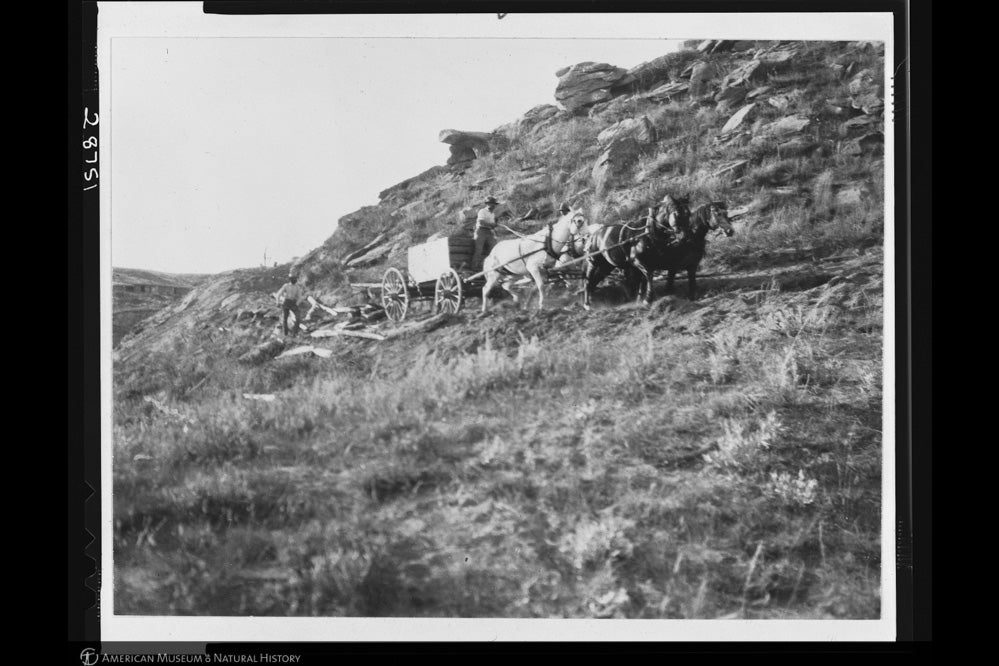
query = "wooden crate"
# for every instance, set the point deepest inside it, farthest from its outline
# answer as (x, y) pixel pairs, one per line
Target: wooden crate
(427, 261)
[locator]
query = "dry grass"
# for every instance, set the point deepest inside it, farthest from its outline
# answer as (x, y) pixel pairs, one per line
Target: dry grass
(690, 460)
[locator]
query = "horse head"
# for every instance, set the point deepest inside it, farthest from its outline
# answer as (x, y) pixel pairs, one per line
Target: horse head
(675, 212)
(718, 217)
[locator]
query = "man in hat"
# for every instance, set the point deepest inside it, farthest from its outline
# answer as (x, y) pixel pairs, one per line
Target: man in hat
(673, 213)
(485, 231)
(288, 297)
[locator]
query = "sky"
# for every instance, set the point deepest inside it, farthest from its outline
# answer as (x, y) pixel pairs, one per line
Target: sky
(224, 149)
(225, 138)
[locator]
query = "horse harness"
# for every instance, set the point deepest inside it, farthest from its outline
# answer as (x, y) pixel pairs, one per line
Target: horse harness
(546, 246)
(548, 242)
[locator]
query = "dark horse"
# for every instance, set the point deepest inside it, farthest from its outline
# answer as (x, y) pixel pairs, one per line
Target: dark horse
(641, 250)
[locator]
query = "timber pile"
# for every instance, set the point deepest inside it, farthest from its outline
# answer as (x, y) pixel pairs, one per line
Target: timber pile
(460, 247)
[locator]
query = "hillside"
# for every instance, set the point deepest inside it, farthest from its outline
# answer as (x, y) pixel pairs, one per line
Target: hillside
(139, 293)
(710, 458)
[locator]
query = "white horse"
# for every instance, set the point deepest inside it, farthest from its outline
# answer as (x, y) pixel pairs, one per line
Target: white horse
(529, 255)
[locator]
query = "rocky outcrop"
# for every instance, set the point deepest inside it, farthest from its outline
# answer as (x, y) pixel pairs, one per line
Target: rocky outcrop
(796, 147)
(739, 83)
(432, 172)
(532, 119)
(465, 146)
(872, 143)
(588, 83)
(701, 75)
(736, 120)
(668, 92)
(614, 162)
(640, 129)
(730, 98)
(782, 129)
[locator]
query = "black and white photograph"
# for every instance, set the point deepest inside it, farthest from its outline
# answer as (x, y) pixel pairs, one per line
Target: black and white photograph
(559, 320)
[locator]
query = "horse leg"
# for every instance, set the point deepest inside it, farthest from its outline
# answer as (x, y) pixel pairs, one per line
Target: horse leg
(647, 282)
(691, 284)
(491, 279)
(595, 273)
(633, 282)
(670, 275)
(538, 273)
(508, 288)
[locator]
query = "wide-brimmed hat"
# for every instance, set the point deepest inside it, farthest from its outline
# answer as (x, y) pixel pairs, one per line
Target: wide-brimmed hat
(492, 200)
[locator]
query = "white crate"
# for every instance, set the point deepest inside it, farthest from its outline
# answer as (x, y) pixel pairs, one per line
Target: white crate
(427, 261)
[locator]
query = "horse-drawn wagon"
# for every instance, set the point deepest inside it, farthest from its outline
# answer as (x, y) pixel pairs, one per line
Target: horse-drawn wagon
(441, 270)
(438, 270)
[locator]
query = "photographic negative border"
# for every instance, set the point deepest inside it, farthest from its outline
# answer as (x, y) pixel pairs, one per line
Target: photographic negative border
(902, 240)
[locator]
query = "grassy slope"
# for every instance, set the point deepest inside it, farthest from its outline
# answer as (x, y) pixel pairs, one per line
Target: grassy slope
(694, 459)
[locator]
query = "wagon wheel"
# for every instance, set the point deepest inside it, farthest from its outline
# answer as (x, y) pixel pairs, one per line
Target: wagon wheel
(448, 294)
(395, 295)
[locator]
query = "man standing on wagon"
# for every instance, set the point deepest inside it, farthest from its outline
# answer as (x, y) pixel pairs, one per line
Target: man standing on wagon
(485, 232)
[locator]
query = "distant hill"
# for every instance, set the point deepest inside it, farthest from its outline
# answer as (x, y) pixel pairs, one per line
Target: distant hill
(139, 293)
(139, 276)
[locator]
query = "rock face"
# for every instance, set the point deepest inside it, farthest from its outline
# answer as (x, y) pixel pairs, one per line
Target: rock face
(869, 143)
(588, 83)
(640, 129)
(614, 162)
(465, 146)
(783, 128)
(700, 77)
(737, 118)
(668, 92)
(531, 120)
(432, 172)
(796, 147)
(729, 98)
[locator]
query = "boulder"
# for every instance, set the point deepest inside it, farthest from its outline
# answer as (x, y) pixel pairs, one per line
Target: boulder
(613, 105)
(737, 118)
(668, 92)
(653, 72)
(756, 92)
(784, 127)
(796, 147)
(640, 129)
(614, 162)
(465, 146)
(372, 257)
(870, 103)
(872, 143)
(263, 352)
(729, 98)
(588, 83)
(742, 75)
(530, 120)
(851, 195)
(858, 123)
(777, 59)
(701, 75)
(863, 83)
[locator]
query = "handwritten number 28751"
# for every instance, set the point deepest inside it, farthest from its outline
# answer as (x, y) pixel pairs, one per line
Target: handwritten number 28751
(90, 143)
